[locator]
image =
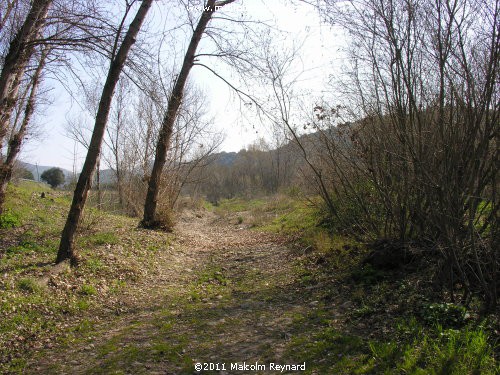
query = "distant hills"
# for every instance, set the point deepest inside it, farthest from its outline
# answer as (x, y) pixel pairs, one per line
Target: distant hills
(107, 175)
(225, 158)
(37, 170)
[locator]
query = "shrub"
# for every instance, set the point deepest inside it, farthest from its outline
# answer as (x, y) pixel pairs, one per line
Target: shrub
(165, 218)
(444, 314)
(9, 220)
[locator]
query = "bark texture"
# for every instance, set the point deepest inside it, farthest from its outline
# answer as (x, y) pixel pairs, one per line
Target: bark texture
(66, 247)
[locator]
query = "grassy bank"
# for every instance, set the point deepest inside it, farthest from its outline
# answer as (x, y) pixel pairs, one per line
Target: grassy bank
(41, 305)
(368, 320)
(222, 292)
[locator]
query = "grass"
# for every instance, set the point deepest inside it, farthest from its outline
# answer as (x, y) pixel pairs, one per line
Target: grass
(280, 214)
(101, 238)
(421, 351)
(28, 285)
(238, 205)
(9, 220)
(435, 351)
(407, 343)
(350, 318)
(38, 308)
(402, 329)
(88, 290)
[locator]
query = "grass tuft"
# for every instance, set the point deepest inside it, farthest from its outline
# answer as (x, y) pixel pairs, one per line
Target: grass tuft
(28, 285)
(88, 290)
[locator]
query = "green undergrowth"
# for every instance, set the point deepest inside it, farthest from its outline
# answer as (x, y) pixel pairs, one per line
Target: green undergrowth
(9, 220)
(41, 307)
(280, 214)
(367, 320)
(411, 349)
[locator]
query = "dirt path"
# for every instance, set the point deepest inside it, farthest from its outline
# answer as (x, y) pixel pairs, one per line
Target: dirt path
(225, 294)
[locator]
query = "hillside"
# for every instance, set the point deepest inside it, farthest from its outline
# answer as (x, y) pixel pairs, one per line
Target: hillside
(37, 170)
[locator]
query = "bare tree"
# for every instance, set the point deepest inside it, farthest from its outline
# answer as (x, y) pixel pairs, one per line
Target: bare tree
(115, 141)
(133, 134)
(149, 219)
(19, 133)
(6, 9)
(119, 56)
(19, 54)
(26, 27)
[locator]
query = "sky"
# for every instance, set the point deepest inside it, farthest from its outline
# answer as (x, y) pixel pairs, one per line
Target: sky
(319, 57)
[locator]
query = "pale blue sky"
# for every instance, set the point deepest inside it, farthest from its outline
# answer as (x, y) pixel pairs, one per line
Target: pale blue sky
(319, 58)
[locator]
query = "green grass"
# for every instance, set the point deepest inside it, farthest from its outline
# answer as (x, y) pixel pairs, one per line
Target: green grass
(40, 307)
(325, 349)
(101, 238)
(88, 290)
(239, 205)
(9, 220)
(28, 285)
(298, 217)
(23, 201)
(122, 352)
(418, 345)
(31, 310)
(94, 264)
(435, 351)
(280, 214)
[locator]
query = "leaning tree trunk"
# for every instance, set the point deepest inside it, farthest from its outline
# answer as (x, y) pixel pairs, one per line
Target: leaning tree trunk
(149, 220)
(66, 247)
(15, 143)
(20, 51)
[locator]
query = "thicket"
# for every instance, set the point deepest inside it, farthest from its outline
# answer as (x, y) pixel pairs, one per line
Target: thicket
(416, 158)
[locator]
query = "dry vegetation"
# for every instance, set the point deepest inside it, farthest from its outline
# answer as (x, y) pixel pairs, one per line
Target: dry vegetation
(362, 238)
(218, 291)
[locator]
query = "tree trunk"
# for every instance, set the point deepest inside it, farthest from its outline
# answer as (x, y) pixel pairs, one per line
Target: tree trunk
(98, 184)
(119, 182)
(20, 51)
(66, 247)
(17, 139)
(149, 220)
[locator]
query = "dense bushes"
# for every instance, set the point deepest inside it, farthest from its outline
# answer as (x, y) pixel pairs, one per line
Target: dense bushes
(418, 159)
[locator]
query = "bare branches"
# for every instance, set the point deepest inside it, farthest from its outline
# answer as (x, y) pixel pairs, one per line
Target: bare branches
(422, 74)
